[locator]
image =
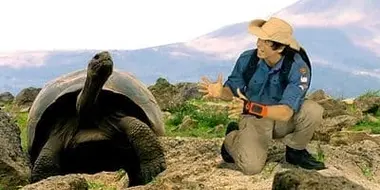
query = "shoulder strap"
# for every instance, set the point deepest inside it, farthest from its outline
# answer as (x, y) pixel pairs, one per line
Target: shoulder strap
(287, 65)
(251, 67)
(305, 58)
(285, 68)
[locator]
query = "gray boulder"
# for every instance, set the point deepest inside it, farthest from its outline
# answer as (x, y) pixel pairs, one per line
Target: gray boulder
(14, 165)
(6, 98)
(300, 179)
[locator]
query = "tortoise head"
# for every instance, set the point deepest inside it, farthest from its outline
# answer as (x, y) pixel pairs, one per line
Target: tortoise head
(100, 66)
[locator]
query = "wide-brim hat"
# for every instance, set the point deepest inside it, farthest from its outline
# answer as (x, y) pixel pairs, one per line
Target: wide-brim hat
(274, 29)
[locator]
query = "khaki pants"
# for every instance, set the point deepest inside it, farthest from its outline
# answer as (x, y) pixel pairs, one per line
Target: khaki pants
(248, 146)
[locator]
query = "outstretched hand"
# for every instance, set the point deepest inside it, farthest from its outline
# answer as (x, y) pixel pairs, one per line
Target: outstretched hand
(235, 107)
(210, 89)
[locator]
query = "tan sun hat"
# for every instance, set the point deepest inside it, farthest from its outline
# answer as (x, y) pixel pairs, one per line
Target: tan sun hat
(274, 29)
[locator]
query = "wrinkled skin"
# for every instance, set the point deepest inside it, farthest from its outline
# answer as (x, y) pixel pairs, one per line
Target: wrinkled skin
(96, 131)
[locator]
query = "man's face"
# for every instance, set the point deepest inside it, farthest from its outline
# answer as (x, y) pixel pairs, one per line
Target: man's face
(265, 49)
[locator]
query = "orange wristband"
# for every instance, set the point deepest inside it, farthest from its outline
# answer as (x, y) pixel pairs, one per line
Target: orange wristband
(255, 109)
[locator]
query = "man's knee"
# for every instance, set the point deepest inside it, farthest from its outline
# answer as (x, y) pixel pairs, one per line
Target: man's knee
(253, 164)
(252, 168)
(312, 111)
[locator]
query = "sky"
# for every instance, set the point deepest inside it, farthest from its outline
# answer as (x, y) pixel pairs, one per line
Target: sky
(125, 24)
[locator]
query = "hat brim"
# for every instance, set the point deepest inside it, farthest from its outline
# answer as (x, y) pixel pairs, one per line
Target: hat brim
(294, 44)
(255, 29)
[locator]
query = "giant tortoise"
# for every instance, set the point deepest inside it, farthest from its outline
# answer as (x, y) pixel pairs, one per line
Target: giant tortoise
(93, 120)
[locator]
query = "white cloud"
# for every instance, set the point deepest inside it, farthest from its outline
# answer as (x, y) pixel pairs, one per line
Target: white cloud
(372, 44)
(223, 47)
(178, 54)
(318, 60)
(334, 17)
(368, 73)
(328, 18)
(22, 59)
(377, 40)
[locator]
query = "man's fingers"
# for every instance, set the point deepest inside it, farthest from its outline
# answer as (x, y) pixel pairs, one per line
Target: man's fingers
(235, 111)
(203, 91)
(237, 101)
(233, 105)
(207, 96)
(202, 85)
(206, 80)
(232, 109)
(220, 78)
(234, 115)
(231, 114)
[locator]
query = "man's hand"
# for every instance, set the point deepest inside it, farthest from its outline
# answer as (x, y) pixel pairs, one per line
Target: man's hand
(236, 105)
(211, 90)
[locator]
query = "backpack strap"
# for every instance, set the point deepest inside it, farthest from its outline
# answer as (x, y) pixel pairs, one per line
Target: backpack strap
(287, 65)
(285, 68)
(305, 58)
(251, 67)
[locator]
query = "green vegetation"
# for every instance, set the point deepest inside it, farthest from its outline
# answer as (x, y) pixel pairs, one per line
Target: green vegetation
(367, 171)
(367, 124)
(206, 116)
(320, 155)
(20, 119)
(371, 126)
(99, 186)
(370, 93)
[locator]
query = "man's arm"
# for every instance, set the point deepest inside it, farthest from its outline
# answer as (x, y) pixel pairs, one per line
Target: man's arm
(275, 112)
(279, 112)
(235, 80)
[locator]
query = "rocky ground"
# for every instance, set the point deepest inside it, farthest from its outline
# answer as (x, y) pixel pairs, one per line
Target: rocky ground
(352, 158)
(196, 164)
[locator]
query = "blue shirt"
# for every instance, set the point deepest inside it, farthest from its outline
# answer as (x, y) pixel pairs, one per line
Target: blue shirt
(265, 87)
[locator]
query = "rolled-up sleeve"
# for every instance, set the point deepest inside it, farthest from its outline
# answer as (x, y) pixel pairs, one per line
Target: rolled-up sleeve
(299, 83)
(235, 80)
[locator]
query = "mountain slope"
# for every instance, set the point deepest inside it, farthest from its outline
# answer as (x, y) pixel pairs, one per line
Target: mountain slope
(343, 45)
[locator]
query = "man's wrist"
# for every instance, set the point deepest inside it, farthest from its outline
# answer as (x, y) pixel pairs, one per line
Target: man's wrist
(254, 108)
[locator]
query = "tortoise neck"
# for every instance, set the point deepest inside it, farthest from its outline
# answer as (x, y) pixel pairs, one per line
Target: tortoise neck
(87, 99)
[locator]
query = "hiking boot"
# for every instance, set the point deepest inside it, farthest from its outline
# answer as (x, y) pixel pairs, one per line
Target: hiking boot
(227, 157)
(303, 159)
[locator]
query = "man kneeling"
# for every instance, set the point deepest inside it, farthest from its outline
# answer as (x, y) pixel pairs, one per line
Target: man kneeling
(268, 87)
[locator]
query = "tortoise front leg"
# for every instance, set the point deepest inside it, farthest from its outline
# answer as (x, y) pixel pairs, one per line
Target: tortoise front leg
(150, 153)
(47, 163)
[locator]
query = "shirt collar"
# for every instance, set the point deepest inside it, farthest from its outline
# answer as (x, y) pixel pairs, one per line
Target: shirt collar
(277, 67)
